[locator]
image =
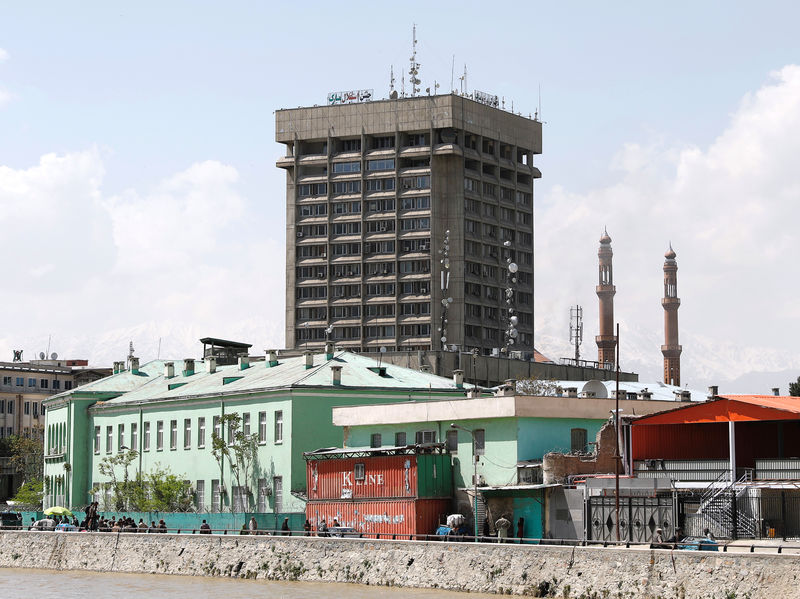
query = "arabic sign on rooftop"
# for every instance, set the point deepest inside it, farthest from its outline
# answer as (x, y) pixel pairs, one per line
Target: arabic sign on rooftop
(351, 97)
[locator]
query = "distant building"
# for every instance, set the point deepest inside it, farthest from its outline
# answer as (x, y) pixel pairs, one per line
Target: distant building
(402, 217)
(23, 388)
(671, 302)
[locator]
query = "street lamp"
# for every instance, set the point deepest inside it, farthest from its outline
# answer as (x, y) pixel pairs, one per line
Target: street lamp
(474, 475)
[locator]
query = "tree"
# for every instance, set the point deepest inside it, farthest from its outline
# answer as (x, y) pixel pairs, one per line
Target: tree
(158, 490)
(794, 388)
(122, 489)
(27, 455)
(239, 452)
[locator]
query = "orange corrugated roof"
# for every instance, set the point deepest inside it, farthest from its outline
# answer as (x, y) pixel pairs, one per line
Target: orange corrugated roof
(729, 408)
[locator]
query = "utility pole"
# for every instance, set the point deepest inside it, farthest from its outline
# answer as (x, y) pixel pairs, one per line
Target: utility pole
(617, 456)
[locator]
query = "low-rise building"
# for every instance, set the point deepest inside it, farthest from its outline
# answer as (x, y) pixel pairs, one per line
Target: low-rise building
(167, 411)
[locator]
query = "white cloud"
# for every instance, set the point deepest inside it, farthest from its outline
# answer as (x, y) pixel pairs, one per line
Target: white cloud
(730, 211)
(3, 55)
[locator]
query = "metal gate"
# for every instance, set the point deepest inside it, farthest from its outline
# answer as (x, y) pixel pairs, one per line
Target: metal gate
(639, 517)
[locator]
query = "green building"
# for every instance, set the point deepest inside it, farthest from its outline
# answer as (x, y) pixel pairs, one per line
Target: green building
(166, 412)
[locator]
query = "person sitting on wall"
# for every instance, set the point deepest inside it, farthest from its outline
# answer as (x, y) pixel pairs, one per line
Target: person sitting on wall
(252, 526)
(677, 537)
(658, 540)
(307, 528)
(502, 525)
(322, 528)
(285, 530)
(205, 529)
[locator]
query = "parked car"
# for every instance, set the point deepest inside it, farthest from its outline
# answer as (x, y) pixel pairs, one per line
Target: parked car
(10, 521)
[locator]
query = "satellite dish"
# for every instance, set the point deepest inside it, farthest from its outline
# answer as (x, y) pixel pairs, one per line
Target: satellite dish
(41, 355)
(54, 356)
(383, 350)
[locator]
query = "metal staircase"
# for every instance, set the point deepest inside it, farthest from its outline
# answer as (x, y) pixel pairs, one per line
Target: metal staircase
(718, 505)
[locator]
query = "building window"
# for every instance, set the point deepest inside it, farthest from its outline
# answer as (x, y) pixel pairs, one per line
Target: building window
(359, 471)
(44, 383)
(7, 380)
(200, 495)
(216, 496)
(578, 440)
(375, 440)
(134, 435)
(67, 385)
(31, 382)
(279, 426)
(451, 438)
(346, 167)
(20, 381)
(423, 437)
(480, 441)
(173, 434)
(56, 384)
(277, 483)
(26, 408)
(97, 439)
(380, 165)
(201, 433)
(400, 440)
(262, 427)
(10, 406)
(159, 435)
(263, 493)
(36, 409)
(146, 439)
(246, 424)
(187, 433)
(240, 499)
(120, 437)
(109, 438)
(217, 432)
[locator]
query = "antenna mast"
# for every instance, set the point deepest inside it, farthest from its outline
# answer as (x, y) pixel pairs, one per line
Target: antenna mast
(413, 70)
(576, 329)
(391, 79)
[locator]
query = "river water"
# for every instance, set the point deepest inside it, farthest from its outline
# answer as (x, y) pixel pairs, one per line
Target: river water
(55, 584)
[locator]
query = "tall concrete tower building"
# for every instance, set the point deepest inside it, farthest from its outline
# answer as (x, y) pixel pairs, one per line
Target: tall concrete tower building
(606, 340)
(402, 217)
(671, 349)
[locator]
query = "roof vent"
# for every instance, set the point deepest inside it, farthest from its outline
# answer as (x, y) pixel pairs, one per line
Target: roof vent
(119, 367)
(571, 391)
(506, 389)
(379, 370)
(425, 368)
(134, 365)
(244, 362)
(644, 394)
(336, 371)
(272, 358)
(590, 394)
(169, 370)
(683, 395)
(211, 364)
(776, 391)
(188, 367)
(621, 394)
(458, 378)
(309, 357)
(329, 351)
(713, 391)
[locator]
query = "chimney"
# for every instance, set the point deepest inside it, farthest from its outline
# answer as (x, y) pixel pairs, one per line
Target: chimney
(169, 370)
(713, 391)
(329, 351)
(117, 368)
(337, 375)
(309, 357)
(272, 358)
(134, 365)
(244, 362)
(776, 390)
(571, 391)
(211, 364)
(458, 378)
(425, 368)
(188, 367)
(622, 394)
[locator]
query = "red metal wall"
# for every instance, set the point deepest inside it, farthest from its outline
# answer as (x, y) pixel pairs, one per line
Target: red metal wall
(384, 477)
(394, 517)
(680, 441)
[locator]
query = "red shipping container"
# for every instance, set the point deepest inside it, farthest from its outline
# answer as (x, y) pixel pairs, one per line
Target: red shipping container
(382, 477)
(390, 517)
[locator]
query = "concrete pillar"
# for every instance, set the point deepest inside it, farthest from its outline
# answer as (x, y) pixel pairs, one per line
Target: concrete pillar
(732, 448)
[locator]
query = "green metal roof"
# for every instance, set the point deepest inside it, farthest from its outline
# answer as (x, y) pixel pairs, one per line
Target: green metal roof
(122, 382)
(358, 372)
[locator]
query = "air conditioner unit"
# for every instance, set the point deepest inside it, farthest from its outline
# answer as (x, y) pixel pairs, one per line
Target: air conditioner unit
(299, 233)
(423, 290)
(320, 275)
(382, 228)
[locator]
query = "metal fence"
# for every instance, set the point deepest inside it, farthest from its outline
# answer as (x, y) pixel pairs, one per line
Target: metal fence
(758, 514)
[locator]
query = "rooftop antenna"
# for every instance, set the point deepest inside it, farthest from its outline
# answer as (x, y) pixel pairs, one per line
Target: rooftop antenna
(463, 80)
(576, 330)
(414, 66)
(539, 108)
(391, 80)
(403, 85)
(130, 351)
(49, 337)
(158, 355)
(452, 74)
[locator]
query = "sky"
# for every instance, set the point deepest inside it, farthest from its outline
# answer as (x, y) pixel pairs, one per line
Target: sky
(139, 198)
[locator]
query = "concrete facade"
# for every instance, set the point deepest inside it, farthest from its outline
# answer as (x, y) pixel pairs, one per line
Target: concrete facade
(372, 192)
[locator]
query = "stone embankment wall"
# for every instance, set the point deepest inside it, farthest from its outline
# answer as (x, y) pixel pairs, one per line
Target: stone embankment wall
(538, 571)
